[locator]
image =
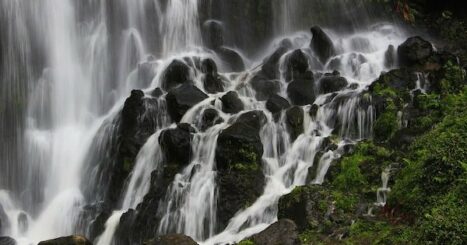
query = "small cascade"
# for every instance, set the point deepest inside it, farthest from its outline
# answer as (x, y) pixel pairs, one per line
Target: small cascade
(383, 191)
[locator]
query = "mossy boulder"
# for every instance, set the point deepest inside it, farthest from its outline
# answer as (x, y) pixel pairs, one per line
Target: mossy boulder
(414, 51)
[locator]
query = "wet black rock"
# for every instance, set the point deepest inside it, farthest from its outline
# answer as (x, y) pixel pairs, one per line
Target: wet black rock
(182, 98)
(213, 34)
(276, 104)
(321, 44)
(301, 91)
(157, 92)
(294, 121)
(210, 118)
(232, 61)
(265, 88)
(414, 51)
(297, 64)
(212, 82)
(231, 103)
(69, 240)
(270, 68)
(238, 157)
(282, 232)
(176, 144)
(175, 74)
(390, 57)
(172, 239)
(332, 82)
(5, 240)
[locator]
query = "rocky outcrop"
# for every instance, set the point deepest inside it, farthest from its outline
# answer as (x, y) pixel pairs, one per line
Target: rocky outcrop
(301, 89)
(69, 240)
(175, 74)
(390, 57)
(265, 88)
(4, 240)
(182, 98)
(231, 103)
(282, 232)
(212, 82)
(321, 44)
(275, 104)
(294, 122)
(238, 157)
(176, 144)
(233, 62)
(172, 239)
(332, 82)
(210, 118)
(414, 51)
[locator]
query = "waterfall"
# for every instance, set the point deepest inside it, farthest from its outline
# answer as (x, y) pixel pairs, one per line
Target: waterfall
(69, 67)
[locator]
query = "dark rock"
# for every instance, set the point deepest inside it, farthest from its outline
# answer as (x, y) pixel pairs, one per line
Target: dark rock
(276, 104)
(332, 82)
(414, 51)
(212, 81)
(208, 66)
(301, 92)
(157, 92)
(321, 44)
(270, 68)
(282, 232)
(176, 73)
(304, 206)
(265, 88)
(210, 118)
(172, 239)
(182, 98)
(294, 122)
(69, 240)
(232, 60)
(231, 103)
(213, 35)
(297, 63)
(390, 57)
(238, 157)
(4, 240)
(176, 144)
(313, 110)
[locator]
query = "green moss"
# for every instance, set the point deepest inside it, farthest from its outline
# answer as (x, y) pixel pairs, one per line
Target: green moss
(453, 79)
(246, 242)
(350, 178)
(346, 202)
(386, 124)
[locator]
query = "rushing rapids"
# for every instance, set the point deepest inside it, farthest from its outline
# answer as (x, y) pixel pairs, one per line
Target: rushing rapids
(143, 118)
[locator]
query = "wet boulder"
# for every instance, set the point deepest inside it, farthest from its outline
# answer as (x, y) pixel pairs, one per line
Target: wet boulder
(182, 98)
(238, 157)
(157, 92)
(270, 68)
(294, 121)
(275, 104)
(321, 44)
(297, 64)
(212, 82)
(176, 144)
(5, 240)
(282, 232)
(265, 88)
(301, 91)
(414, 51)
(213, 35)
(332, 82)
(398, 79)
(69, 240)
(210, 118)
(231, 103)
(172, 239)
(232, 61)
(175, 74)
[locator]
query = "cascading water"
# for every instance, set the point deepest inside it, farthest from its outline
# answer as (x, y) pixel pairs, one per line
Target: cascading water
(78, 60)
